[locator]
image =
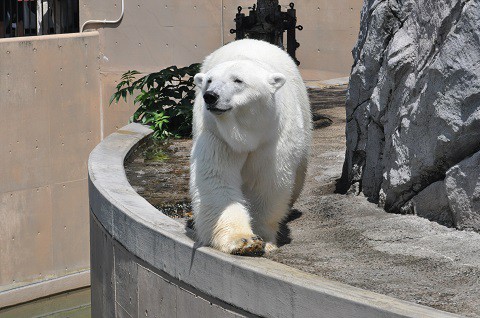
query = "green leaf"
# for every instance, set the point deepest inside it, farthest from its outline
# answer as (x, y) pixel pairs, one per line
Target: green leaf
(165, 99)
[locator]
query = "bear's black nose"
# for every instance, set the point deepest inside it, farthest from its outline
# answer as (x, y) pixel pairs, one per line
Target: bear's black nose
(210, 98)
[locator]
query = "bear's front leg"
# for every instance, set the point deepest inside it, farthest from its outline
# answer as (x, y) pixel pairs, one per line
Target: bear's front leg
(220, 215)
(232, 232)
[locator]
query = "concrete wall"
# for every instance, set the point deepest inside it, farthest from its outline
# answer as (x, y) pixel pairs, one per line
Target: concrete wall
(146, 264)
(125, 286)
(160, 33)
(50, 96)
(156, 34)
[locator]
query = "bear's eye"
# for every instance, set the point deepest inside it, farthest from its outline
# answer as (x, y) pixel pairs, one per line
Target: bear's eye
(237, 80)
(209, 81)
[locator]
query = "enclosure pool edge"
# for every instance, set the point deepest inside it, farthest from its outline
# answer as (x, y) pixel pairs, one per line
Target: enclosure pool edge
(143, 263)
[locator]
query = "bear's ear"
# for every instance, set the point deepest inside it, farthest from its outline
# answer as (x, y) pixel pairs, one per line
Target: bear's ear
(276, 80)
(198, 79)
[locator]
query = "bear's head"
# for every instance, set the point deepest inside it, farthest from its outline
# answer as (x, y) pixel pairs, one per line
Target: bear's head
(237, 84)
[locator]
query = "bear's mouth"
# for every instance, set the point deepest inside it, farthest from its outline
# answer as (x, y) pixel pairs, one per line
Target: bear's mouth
(217, 111)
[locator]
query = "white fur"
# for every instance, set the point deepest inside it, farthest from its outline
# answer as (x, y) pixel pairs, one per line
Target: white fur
(248, 164)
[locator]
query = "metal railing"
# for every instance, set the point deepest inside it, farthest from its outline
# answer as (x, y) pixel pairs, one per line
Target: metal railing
(38, 17)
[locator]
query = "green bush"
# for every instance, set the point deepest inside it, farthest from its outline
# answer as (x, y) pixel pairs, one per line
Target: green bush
(165, 99)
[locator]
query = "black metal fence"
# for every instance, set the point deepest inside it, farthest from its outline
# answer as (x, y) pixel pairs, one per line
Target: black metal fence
(38, 17)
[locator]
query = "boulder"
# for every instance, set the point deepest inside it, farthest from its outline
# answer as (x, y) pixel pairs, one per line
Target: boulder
(462, 185)
(431, 203)
(413, 106)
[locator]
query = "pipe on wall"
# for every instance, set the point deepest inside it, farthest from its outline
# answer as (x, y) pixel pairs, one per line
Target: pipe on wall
(106, 21)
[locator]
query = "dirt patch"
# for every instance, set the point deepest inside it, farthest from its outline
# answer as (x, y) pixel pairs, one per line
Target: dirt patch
(340, 237)
(159, 172)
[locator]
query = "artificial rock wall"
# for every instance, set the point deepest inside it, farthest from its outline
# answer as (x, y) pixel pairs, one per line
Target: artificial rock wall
(413, 109)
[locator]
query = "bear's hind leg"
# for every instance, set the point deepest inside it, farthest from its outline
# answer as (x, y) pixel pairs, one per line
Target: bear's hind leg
(300, 175)
(268, 212)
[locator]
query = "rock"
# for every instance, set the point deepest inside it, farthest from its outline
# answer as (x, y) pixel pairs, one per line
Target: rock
(431, 203)
(463, 190)
(413, 104)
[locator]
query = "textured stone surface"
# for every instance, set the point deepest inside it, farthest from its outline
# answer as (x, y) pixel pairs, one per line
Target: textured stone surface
(463, 189)
(431, 203)
(413, 105)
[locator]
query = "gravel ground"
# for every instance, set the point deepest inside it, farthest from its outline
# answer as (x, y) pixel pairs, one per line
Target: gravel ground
(341, 237)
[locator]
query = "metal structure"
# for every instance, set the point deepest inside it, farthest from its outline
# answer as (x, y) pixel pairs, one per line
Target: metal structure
(267, 22)
(38, 17)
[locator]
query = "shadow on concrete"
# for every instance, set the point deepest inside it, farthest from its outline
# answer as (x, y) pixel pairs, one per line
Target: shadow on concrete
(283, 236)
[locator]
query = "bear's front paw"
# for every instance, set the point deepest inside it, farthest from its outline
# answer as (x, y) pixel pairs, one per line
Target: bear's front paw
(249, 246)
(246, 245)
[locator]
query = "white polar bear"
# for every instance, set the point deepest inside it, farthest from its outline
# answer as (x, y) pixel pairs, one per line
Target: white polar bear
(251, 137)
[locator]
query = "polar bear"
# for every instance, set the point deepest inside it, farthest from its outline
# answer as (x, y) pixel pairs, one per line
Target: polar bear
(251, 137)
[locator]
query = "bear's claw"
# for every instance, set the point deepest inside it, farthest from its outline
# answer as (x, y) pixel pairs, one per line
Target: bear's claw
(254, 246)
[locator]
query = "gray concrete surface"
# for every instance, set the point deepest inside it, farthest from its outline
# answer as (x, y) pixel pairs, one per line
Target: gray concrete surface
(348, 239)
(242, 285)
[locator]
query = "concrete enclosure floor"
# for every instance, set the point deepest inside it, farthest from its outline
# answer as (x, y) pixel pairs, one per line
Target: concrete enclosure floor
(346, 238)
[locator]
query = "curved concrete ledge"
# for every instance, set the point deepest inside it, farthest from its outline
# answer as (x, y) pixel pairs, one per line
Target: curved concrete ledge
(143, 263)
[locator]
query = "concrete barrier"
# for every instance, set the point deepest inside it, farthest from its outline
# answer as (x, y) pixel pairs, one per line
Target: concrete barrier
(49, 101)
(145, 264)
